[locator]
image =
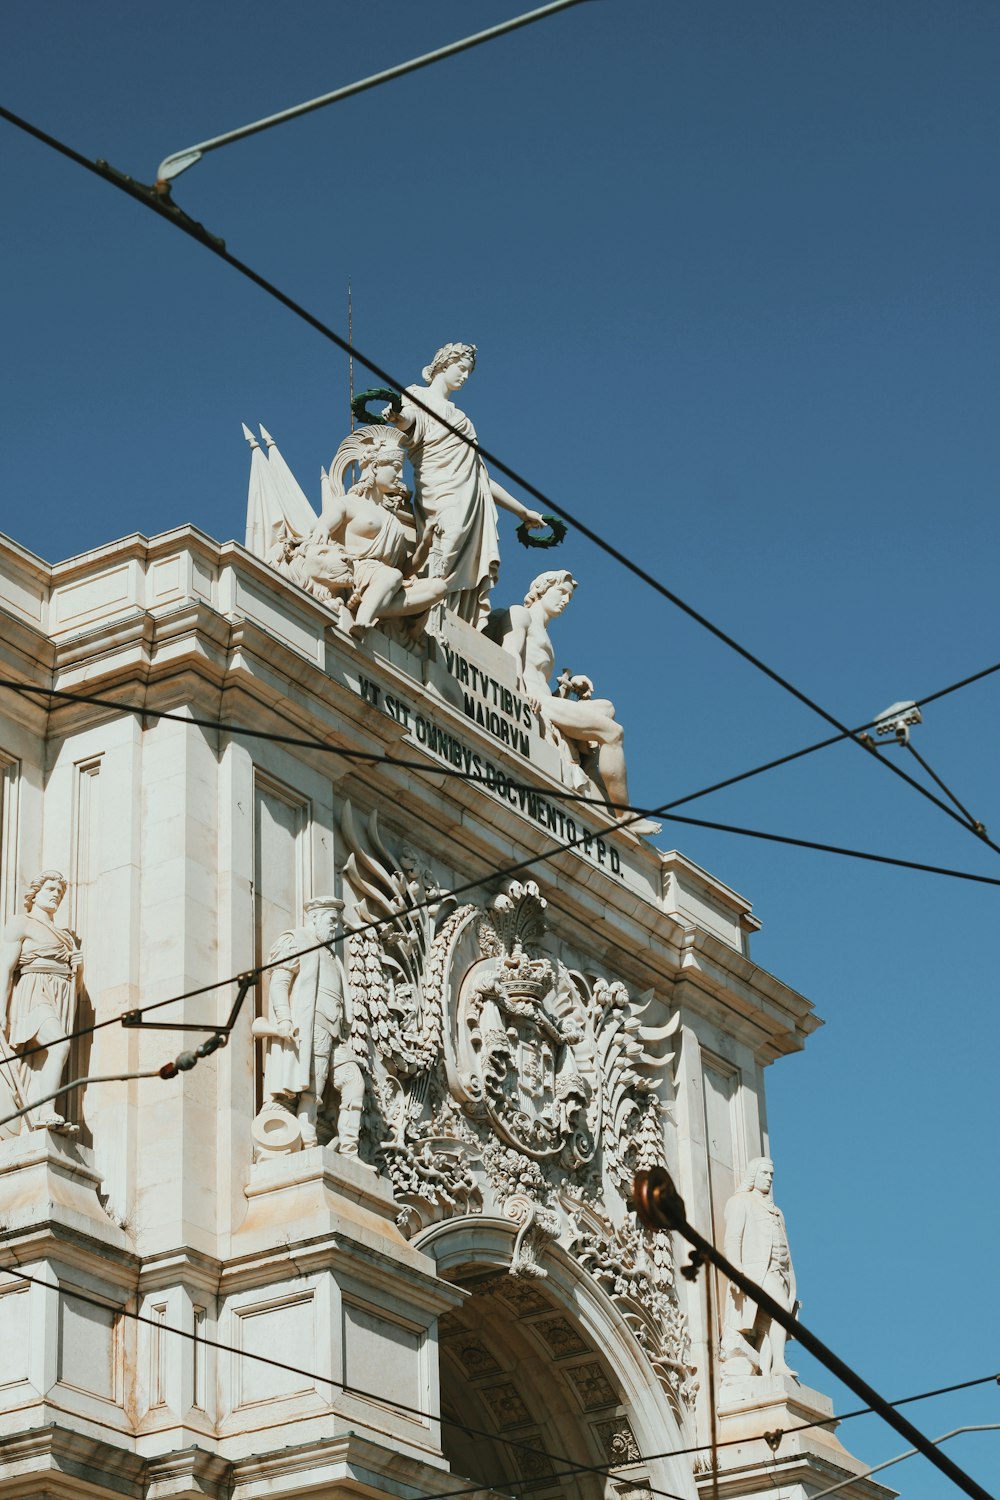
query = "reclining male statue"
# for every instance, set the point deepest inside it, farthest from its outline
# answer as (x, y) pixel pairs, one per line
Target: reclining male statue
(583, 720)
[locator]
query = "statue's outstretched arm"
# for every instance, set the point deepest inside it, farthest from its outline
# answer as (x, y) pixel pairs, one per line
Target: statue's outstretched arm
(531, 518)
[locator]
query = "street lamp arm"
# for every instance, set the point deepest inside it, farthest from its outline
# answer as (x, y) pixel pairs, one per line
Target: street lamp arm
(172, 166)
(910, 1452)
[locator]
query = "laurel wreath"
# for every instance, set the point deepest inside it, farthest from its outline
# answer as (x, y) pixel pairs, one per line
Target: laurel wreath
(359, 405)
(557, 533)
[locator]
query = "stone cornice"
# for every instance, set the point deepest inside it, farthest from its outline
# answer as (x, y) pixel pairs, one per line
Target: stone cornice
(179, 620)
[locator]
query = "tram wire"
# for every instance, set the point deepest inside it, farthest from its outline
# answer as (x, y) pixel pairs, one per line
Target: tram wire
(216, 246)
(163, 205)
(665, 811)
(453, 1494)
(348, 1390)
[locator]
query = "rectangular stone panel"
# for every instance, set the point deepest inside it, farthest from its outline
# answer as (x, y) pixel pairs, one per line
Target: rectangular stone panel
(165, 579)
(16, 1340)
(277, 619)
(283, 1330)
(88, 1348)
(91, 597)
(382, 1357)
(23, 598)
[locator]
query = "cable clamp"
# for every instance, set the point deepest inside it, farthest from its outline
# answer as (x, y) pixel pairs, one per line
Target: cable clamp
(211, 1044)
(695, 1262)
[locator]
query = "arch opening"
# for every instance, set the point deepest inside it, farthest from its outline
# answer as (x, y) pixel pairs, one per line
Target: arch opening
(516, 1364)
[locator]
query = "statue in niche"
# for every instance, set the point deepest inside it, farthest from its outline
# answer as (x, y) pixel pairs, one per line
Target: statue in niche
(757, 1244)
(578, 723)
(454, 491)
(368, 524)
(39, 980)
(309, 1026)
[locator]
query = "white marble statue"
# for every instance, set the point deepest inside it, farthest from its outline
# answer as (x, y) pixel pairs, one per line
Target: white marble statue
(310, 1025)
(39, 979)
(367, 523)
(582, 720)
(454, 491)
(757, 1244)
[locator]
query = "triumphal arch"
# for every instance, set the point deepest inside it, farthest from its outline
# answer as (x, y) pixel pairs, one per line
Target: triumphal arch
(317, 875)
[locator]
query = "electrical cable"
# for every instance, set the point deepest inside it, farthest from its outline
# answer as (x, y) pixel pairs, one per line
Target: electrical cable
(784, 838)
(348, 1390)
(196, 231)
(558, 794)
(66, 1087)
(974, 823)
(837, 1418)
(132, 1017)
(176, 216)
(182, 1063)
(180, 161)
(851, 1479)
(374, 758)
(663, 811)
(482, 1432)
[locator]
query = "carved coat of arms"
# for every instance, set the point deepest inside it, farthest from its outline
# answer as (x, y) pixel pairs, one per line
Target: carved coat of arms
(521, 1055)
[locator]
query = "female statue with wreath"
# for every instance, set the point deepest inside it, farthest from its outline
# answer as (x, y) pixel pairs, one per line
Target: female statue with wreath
(453, 490)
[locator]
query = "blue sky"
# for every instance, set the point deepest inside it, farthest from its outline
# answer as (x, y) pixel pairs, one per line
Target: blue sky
(732, 271)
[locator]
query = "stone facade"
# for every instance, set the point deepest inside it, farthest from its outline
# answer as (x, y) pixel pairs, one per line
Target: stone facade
(468, 1300)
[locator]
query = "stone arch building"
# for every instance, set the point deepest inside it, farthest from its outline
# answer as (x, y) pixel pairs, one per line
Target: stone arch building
(469, 1305)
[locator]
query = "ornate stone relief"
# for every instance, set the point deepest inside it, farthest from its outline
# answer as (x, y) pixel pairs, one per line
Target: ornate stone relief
(618, 1441)
(636, 1270)
(501, 1081)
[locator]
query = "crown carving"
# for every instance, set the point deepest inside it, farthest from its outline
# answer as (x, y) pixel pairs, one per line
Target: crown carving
(530, 978)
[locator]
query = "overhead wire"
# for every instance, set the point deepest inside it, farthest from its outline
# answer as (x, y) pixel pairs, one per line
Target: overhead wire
(344, 1386)
(196, 231)
(659, 1205)
(176, 216)
(664, 810)
(350, 1390)
(131, 1017)
(888, 1463)
(634, 814)
(838, 1417)
(370, 757)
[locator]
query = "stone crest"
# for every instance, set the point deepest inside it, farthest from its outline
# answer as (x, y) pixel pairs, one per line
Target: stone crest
(520, 1055)
(501, 1080)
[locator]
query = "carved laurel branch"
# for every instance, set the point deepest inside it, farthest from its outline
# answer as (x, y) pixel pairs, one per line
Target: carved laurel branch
(629, 1064)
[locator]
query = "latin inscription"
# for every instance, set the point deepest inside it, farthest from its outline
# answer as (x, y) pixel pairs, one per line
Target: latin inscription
(447, 746)
(507, 716)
